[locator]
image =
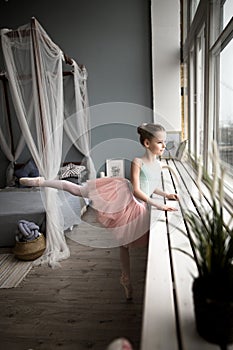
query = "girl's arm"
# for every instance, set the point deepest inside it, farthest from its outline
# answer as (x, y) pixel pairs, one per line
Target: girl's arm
(171, 196)
(138, 193)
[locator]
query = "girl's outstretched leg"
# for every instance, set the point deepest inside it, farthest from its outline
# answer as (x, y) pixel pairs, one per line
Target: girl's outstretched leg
(125, 274)
(63, 185)
(32, 181)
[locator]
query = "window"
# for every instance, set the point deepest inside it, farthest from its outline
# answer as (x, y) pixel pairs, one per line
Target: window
(225, 122)
(193, 8)
(200, 50)
(192, 98)
(208, 56)
(227, 12)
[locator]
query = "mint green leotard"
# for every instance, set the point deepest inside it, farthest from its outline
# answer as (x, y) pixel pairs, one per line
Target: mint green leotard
(150, 177)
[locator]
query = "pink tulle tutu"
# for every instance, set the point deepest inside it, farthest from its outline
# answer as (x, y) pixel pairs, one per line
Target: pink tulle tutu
(119, 211)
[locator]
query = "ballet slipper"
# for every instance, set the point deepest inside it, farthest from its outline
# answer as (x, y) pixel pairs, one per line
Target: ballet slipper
(31, 181)
(125, 282)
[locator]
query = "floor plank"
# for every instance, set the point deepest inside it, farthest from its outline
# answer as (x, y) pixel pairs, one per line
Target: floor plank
(78, 306)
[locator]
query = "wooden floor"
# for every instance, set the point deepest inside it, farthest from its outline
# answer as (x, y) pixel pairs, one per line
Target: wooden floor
(78, 306)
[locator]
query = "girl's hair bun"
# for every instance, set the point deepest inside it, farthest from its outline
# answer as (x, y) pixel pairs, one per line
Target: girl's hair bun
(148, 131)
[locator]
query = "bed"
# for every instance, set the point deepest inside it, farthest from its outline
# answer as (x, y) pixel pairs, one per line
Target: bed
(50, 103)
(27, 203)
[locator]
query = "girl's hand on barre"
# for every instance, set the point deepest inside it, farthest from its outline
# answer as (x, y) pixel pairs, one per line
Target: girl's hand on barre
(158, 206)
(172, 196)
(168, 208)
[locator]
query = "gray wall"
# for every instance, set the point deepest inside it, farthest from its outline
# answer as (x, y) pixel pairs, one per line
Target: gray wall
(112, 39)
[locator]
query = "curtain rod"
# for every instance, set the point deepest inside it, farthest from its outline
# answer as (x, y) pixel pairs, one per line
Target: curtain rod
(27, 32)
(3, 75)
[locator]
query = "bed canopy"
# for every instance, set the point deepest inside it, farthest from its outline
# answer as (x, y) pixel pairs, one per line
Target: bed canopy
(44, 108)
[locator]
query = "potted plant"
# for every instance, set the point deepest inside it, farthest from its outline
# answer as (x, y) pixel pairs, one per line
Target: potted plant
(212, 245)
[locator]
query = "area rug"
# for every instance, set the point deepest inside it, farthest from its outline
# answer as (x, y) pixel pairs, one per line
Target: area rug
(12, 270)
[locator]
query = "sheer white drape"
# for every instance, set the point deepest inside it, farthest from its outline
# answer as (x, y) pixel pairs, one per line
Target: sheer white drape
(12, 152)
(77, 118)
(34, 69)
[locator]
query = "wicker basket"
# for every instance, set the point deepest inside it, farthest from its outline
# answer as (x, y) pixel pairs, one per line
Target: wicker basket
(30, 250)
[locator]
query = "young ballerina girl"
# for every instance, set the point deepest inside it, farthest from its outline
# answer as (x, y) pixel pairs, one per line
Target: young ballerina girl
(122, 206)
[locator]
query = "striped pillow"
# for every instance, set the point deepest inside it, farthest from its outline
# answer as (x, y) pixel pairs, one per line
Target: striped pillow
(71, 170)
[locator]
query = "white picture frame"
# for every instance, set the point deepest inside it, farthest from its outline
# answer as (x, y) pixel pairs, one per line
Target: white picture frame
(172, 143)
(115, 167)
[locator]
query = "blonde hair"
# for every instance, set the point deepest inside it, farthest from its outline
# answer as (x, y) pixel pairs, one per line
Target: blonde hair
(148, 131)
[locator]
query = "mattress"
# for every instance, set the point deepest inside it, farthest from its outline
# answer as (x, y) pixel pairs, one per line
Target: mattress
(27, 203)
